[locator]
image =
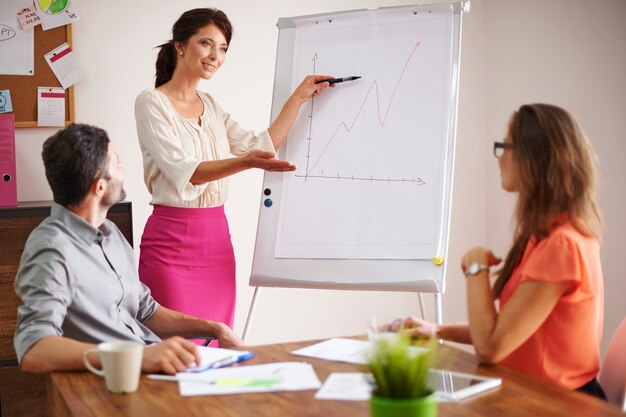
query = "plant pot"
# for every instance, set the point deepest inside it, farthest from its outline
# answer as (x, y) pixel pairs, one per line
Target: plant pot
(404, 407)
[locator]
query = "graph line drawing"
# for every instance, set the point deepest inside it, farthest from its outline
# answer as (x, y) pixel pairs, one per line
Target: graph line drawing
(347, 127)
(308, 151)
(417, 181)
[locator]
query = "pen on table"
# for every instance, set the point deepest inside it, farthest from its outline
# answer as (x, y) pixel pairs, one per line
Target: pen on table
(339, 80)
(213, 365)
(223, 362)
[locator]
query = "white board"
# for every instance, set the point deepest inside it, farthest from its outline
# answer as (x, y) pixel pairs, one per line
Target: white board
(369, 205)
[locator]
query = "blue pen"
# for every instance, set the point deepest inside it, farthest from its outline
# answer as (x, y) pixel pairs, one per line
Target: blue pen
(224, 362)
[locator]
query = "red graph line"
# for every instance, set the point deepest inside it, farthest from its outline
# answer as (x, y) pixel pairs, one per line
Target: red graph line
(381, 121)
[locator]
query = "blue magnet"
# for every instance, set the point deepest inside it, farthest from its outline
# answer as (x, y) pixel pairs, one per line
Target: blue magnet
(268, 202)
(267, 191)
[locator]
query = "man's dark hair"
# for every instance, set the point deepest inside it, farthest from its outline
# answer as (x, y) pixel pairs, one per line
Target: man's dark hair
(74, 157)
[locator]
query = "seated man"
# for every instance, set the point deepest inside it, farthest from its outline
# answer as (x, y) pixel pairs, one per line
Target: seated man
(78, 279)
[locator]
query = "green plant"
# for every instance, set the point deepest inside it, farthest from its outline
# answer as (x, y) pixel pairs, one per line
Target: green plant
(399, 367)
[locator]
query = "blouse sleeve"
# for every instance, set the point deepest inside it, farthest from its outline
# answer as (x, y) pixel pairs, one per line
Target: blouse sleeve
(241, 140)
(559, 258)
(158, 139)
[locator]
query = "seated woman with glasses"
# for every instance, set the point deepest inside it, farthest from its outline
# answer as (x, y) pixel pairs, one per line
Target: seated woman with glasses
(550, 289)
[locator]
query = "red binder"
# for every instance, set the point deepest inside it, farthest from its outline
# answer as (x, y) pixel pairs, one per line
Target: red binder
(8, 181)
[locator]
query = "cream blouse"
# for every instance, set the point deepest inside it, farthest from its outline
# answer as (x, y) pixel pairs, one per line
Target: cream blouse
(173, 147)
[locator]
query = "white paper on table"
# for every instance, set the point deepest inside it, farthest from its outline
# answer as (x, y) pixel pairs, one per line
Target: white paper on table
(338, 349)
(279, 376)
(50, 106)
(354, 386)
(344, 350)
(450, 386)
(64, 65)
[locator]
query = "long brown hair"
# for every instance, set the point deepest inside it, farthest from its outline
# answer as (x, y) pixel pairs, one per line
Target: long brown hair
(556, 173)
(187, 25)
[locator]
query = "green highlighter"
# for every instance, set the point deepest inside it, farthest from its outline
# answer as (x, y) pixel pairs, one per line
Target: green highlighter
(245, 382)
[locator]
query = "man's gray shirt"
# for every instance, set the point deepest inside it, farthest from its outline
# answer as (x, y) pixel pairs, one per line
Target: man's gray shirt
(80, 282)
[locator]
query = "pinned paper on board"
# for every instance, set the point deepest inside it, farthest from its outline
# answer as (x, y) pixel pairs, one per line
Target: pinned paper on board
(63, 62)
(6, 106)
(17, 46)
(28, 18)
(50, 106)
(55, 13)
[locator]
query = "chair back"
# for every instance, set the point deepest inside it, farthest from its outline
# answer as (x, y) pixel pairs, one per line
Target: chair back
(612, 375)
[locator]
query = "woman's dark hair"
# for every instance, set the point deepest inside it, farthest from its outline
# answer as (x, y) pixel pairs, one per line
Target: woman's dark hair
(555, 166)
(73, 158)
(187, 25)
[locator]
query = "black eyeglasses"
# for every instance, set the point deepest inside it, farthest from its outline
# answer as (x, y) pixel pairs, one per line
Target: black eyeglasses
(500, 147)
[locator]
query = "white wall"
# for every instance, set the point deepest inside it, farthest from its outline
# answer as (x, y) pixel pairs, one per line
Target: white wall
(570, 61)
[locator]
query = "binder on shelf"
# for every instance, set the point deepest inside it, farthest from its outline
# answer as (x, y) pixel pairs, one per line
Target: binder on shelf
(8, 180)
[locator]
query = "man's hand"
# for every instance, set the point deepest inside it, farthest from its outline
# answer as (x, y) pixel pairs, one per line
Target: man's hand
(227, 337)
(170, 356)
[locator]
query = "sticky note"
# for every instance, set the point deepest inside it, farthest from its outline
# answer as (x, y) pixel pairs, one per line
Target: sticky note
(28, 17)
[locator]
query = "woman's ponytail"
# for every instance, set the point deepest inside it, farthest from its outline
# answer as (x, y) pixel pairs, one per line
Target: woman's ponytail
(165, 63)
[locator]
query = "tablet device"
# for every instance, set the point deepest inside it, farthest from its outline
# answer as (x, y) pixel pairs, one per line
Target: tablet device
(455, 386)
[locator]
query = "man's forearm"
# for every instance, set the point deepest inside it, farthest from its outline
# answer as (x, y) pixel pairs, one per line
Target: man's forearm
(167, 323)
(57, 353)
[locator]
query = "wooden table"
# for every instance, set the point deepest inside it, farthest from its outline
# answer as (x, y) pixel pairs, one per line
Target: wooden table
(84, 394)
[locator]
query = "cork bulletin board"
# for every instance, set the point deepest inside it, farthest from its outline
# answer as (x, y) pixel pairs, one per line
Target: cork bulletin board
(24, 88)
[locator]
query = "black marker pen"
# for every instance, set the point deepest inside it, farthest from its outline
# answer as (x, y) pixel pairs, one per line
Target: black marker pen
(339, 80)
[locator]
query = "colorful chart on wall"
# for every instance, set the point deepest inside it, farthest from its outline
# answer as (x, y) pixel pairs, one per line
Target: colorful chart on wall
(53, 6)
(55, 13)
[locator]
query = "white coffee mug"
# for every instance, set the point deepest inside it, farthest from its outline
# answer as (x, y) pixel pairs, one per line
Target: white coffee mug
(121, 364)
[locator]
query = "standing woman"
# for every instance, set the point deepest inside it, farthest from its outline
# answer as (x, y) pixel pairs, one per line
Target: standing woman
(187, 142)
(550, 287)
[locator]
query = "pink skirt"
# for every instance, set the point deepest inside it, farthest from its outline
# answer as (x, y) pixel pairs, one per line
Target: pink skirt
(187, 261)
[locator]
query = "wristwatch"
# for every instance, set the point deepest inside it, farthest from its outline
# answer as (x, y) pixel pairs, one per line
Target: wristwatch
(474, 269)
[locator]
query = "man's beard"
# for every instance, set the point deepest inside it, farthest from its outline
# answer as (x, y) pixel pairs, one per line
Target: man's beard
(114, 196)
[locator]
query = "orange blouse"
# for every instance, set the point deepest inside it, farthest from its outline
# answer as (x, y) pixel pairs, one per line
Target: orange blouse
(565, 349)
